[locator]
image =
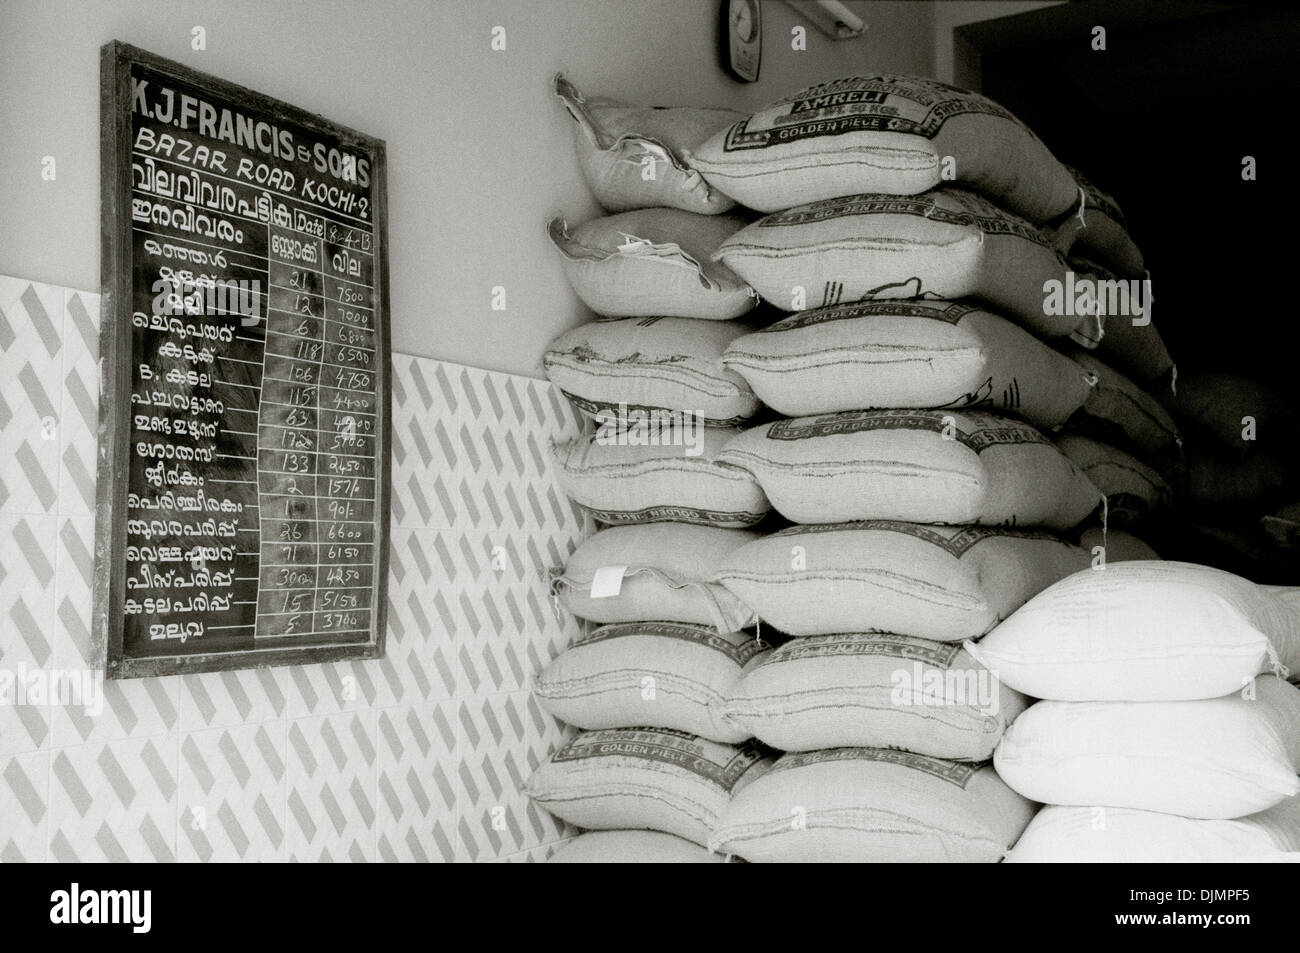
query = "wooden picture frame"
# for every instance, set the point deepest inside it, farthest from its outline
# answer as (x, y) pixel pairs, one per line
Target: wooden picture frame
(184, 534)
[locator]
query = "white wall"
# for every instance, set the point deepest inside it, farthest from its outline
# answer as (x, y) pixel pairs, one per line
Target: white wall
(479, 152)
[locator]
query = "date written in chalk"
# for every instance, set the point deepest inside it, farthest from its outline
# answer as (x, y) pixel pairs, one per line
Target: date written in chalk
(1204, 896)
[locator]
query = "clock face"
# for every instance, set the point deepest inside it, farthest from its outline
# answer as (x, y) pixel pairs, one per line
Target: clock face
(743, 20)
(743, 43)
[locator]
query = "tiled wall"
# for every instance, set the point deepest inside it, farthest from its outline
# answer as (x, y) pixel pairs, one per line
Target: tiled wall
(417, 756)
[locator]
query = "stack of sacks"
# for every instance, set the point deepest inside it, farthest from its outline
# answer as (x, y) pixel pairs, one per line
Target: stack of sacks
(668, 310)
(1110, 274)
(653, 763)
(1233, 483)
(899, 554)
(668, 653)
(1167, 729)
(896, 187)
(888, 721)
(914, 228)
(1129, 447)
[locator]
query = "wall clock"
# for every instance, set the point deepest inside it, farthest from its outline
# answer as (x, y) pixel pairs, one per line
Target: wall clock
(742, 38)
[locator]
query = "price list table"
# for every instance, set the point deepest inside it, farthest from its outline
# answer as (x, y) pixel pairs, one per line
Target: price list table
(242, 482)
(316, 436)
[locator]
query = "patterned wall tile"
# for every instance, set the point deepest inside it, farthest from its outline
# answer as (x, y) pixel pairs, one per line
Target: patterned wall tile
(402, 758)
(27, 591)
(114, 802)
(420, 664)
(538, 855)
(418, 787)
(134, 708)
(24, 812)
(332, 788)
(223, 699)
(232, 794)
(335, 687)
(471, 450)
(31, 368)
(79, 399)
(74, 550)
(505, 738)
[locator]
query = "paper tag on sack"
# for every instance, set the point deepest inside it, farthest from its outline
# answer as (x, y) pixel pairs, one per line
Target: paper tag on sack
(607, 581)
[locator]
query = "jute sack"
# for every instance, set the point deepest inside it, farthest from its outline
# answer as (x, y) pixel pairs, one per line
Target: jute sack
(945, 583)
(1238, 414)
(1116, 545)
(1113, 835)
(656, 571)
(874, 690)
(631, 156)
(650, 475)
(1098, 231)
(889, 354)
(924, 466)
(946, 244)
(863, 805)
(653, 261)
(1122, 414)
(1143, 631)
(621, 367)
(650, 778)
(1216, 481)
(1212, 758)
(894, 134)
(1283, 526)
(1132, 488)
(650, 673)
(1123, 334)
(632, 847)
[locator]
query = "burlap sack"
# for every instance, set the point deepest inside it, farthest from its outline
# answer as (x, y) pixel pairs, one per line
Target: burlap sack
(617, 366)
(1283, 525)
(874, 690)
(1098, 231)
(631, 156)
(668, 475)
(1143, 631)
(923, 466)
(855, 805)
(1212, 758)
(650, 673)
(1132, 488)
(656, 571)
(946, 244)
(893, 354)
(944, 583)
(1116, 545)
(632, 847)
(645, 778)
(1120, 413)
(1215, 480)
(1125, 334)
(895, 134)
(1234, 413)
(654, 261)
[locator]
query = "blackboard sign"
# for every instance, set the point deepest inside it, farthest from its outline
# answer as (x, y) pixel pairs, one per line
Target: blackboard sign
(243, 497)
